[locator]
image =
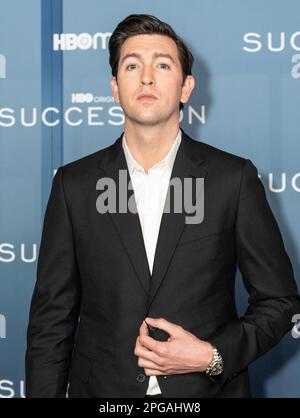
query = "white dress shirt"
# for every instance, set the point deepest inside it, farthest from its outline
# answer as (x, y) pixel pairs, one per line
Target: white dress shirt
(150, 191)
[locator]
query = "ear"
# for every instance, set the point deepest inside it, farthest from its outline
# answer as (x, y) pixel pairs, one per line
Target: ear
(115, 89)
(187, 88)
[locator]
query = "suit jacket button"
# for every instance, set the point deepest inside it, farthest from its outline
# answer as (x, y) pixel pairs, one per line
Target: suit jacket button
(141, 377)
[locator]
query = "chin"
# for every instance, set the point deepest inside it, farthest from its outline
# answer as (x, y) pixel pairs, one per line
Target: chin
(145, 118)
(148, 121)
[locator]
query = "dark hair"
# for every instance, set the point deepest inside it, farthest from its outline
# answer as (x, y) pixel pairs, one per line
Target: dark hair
(138, 24)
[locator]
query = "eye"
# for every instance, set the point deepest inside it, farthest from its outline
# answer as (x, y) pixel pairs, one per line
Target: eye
(165, 64)
(130, 65)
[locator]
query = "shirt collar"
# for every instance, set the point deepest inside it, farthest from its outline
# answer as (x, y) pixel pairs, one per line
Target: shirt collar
(168, 160)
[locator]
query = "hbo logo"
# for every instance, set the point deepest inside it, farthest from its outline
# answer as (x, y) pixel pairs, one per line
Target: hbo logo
(82, 98)
(71, 41)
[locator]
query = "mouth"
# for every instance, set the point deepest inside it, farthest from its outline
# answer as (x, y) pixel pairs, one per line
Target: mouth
(147, 97)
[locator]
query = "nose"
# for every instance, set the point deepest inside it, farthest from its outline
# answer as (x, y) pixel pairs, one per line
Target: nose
(146, 81)
(147, 78)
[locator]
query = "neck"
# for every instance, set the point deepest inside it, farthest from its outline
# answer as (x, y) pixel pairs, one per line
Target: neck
(150, 144)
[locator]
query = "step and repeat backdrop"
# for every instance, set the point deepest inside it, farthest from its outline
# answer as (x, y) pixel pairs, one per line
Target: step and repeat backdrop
(56, 106)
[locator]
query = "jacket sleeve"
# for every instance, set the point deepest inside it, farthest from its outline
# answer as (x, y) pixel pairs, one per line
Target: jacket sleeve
(268, 277)
(54, 310)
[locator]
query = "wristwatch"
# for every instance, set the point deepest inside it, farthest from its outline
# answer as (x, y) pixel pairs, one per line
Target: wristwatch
(215, 368)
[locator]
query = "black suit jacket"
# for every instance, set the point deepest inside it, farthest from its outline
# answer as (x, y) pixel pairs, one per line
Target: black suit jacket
(93, 278)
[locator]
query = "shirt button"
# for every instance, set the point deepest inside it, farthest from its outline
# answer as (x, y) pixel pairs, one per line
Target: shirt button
(141, 377)
(165, 377)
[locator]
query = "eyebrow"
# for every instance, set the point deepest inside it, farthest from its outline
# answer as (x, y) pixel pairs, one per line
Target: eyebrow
(154, 55)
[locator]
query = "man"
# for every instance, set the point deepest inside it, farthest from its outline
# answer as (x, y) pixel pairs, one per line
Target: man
(141, 303)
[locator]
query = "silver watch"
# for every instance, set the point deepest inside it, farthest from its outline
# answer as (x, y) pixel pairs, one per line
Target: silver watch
(216, 366)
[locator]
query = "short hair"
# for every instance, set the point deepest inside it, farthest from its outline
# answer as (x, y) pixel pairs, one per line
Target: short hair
(139, 24)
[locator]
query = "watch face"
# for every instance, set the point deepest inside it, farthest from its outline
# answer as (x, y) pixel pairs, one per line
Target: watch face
(217, 369)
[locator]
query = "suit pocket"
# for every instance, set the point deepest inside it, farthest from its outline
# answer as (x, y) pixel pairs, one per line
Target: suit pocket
(81, 366)
(203, 236)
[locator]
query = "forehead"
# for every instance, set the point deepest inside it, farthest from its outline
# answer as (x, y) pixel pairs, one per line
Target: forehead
(147, 44)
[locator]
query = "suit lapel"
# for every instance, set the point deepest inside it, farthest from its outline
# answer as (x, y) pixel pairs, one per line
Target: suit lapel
(188, 164)
(127, 224)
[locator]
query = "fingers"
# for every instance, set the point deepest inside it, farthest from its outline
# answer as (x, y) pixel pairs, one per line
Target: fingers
(144, 329)
(146, 354)
(148, 364)
(165, 325)
(153, 372)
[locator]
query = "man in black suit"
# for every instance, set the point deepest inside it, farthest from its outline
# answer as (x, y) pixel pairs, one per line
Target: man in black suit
(134, 303)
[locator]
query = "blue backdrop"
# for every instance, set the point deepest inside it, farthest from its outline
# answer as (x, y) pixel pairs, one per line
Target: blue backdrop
(56, 106)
